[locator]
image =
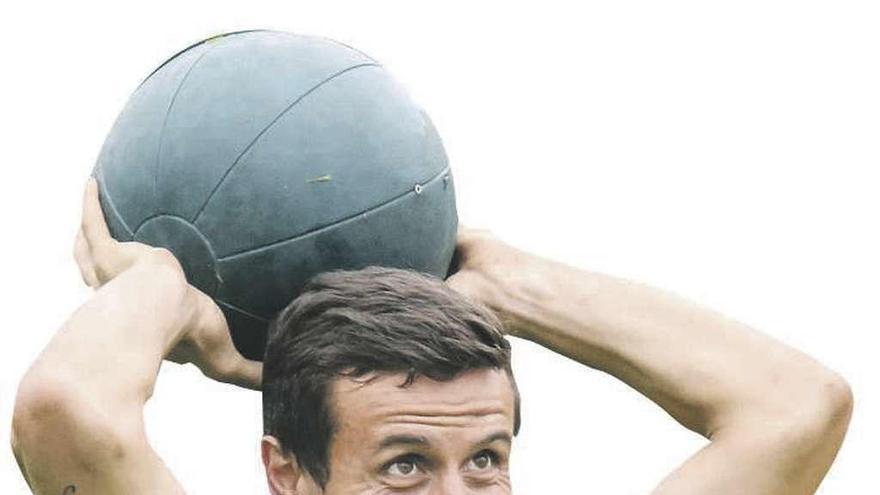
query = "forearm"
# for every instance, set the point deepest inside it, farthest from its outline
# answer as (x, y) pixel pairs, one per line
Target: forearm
(78, 419)
(705, 369)
(79, 412)
(775, 416)
(111, 348)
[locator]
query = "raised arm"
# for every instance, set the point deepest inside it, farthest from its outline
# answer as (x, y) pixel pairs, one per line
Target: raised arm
(775, 417)
(78, 420)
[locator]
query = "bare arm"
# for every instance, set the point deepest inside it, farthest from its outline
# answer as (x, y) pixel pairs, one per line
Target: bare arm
(78, 419)
(775, 417)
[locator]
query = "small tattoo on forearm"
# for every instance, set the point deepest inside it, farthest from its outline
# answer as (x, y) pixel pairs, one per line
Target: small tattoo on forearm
(69, 490)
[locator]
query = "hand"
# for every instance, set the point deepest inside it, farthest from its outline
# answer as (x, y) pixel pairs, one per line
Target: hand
(101, 257)
(205, 341)
(466, 271)
(486, 270)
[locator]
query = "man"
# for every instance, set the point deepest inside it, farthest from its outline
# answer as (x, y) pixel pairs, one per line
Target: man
(385, 381)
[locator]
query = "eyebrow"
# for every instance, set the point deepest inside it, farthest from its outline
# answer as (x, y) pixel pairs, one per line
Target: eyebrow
(395, 440)
(497, 436)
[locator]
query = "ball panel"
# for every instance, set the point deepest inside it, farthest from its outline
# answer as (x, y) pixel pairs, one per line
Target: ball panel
(238, 88)
(354, 143)
(416, 231)
(435, 154)
(126, 165)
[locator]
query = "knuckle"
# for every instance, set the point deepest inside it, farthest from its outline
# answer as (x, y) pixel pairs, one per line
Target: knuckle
(163, 255)
(157, 256)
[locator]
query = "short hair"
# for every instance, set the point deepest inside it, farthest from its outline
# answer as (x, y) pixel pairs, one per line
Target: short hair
(374, 320)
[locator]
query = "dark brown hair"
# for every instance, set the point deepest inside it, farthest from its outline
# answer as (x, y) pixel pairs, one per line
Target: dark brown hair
(351, 323)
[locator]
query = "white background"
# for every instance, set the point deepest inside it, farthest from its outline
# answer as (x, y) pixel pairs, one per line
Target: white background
(726, 151)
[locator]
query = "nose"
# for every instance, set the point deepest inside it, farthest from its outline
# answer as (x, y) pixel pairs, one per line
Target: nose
(451, 483)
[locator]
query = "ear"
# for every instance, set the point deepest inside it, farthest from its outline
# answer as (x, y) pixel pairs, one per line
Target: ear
(282, 471)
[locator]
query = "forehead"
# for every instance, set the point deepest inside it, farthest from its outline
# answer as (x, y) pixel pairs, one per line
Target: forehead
(378, 405)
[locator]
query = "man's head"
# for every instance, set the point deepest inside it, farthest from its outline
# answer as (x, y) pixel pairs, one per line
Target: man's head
(382, 379)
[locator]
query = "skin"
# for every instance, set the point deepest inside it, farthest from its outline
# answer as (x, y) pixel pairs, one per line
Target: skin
(428, 437)
(775, 417)
(433, 437)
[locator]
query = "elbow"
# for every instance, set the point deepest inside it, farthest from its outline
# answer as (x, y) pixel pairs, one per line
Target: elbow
(45, 405)
(35, 414)
(805, 411)
(39, 402)
(52, 413)
(819, 418)
(834, 403)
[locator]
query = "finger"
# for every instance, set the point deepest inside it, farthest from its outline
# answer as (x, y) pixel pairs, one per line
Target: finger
(93, 225)
(221, 360)
(249, 374)
(466, 236)
(463, 232)
(84, 260)
(466, 239)
(469, 231)
(234, 369)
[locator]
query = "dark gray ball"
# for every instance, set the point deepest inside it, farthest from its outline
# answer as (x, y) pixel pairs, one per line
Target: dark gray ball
(263, 158)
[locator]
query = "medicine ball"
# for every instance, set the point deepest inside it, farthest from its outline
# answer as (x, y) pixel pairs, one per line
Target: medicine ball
(262, 158)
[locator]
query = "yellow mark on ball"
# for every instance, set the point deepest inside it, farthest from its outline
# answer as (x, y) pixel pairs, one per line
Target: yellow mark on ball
(216, 37)
(323, 178)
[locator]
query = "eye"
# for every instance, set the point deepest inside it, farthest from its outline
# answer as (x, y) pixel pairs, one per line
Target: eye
(483, 461)
(403, 467)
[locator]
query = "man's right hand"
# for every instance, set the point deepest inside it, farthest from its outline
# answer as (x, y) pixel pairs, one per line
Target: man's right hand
(78, 420)
(205, 341)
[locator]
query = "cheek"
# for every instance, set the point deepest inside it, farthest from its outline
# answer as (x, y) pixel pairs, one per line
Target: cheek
(502, 486)
(357, 489)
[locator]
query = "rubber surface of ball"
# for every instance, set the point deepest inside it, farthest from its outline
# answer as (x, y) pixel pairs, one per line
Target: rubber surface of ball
(263, 158)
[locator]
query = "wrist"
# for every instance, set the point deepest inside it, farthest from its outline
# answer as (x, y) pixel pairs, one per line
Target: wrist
(513, 285)
(160, 280)
(516, 299)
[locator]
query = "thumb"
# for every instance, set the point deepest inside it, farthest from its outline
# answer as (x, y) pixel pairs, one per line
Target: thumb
(250, 375)
(231, 367)
(246, 373)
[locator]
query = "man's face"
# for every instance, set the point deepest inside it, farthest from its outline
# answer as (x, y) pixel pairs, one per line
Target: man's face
(430, 437)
